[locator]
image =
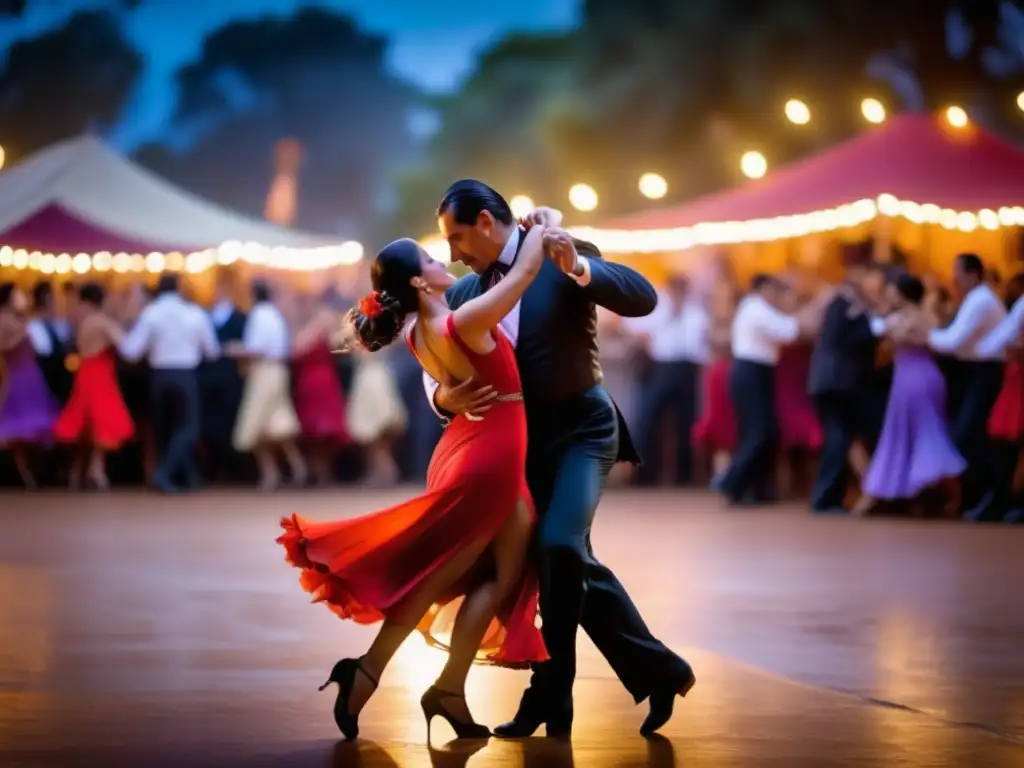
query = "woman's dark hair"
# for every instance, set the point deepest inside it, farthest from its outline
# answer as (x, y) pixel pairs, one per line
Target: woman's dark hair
(380, 317)
(92, 293)
(909, 287)
(468, 198)
(6, 291)
(261, 291)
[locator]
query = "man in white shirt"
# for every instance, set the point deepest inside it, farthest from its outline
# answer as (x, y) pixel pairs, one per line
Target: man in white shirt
(981, 370)
(759, 331)
(174, 336)
(675, 338)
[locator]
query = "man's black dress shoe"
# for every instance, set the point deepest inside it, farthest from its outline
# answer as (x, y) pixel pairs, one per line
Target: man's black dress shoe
(663, 699)
(535, 710)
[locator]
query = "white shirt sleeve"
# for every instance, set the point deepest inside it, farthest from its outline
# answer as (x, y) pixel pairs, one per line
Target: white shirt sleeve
(878, 326)
(582, 280)
(778, 326)
(41, 341)
(136, 343)
(208, 336)
(964, 326)
(430, 386)
(1004, 334)
(258, 332)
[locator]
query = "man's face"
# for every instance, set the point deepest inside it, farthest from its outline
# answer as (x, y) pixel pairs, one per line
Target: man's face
(472, 244)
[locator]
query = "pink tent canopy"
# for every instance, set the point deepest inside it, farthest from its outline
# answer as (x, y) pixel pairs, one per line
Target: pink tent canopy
(81, 196)
(916, 158)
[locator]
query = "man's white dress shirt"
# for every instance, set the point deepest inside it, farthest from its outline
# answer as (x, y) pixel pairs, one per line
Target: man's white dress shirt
(172, 334)
(678, 333)
(980, 312)
(759, 331)
(1005, 334)
(39, 335)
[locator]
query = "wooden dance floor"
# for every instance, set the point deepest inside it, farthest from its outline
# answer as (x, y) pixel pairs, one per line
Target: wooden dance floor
(145, 631)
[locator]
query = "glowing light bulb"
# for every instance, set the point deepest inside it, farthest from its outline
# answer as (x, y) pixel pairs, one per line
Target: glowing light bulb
(754, 165)
(956, 117)
(797, 112)
(521, 205)
(653, 186)
(873, 111)
(583, 197)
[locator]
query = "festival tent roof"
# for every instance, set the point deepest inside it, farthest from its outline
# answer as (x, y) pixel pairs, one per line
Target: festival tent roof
(915, 166)
(81, 196)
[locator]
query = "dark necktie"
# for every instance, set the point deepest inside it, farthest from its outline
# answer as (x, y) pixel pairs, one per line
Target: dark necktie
(495, 272)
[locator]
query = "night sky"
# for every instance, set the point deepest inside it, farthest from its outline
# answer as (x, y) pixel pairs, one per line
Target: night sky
(434, 42)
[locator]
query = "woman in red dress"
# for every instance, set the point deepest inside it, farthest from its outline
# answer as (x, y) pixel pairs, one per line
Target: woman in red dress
(715, 431)
(95, 416)
(316, 389)
(460, 547)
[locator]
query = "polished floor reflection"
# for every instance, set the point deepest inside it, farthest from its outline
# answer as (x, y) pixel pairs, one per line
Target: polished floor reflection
(144, 631)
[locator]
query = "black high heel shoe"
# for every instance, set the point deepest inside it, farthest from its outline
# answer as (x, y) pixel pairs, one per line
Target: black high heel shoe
(344, 674)
(433, 706)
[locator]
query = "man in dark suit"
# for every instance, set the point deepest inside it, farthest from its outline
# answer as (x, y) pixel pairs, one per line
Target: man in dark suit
(575, 436)
(840, 380)
(220, 386)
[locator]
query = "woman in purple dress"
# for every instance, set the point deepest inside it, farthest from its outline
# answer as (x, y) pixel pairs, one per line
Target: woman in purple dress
(915, 451)
(27, 409)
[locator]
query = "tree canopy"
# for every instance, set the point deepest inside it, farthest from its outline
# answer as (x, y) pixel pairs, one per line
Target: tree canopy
(684, 88)
(72, 79)
(313, 77)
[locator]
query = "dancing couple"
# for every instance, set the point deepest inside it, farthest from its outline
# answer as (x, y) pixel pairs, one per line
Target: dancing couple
(503, 529)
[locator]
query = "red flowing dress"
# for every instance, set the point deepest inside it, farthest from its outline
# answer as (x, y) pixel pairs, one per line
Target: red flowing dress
(96, 411)
(716, 428)
(362, 567)
(319, 400)
(799, 427)
(1006, 421)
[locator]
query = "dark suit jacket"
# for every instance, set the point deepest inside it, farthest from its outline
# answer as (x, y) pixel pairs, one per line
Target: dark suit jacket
(844, 354)
(557, 347)
(221, 384)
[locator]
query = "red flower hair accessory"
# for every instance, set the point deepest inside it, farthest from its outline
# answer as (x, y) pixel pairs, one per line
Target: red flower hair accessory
(370, 305)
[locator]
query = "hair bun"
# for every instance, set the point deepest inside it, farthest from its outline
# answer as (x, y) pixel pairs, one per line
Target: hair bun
(377, 319)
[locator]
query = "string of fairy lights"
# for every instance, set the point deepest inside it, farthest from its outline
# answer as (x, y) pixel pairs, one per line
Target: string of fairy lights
(255, 254)
(582, 197)
(754, 165)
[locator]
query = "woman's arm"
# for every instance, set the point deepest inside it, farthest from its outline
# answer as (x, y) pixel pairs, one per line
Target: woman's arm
(313, 332)
(475, 319)
(113, 331)
(11, 333)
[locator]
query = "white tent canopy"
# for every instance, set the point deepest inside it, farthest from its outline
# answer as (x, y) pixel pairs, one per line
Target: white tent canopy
(89, 181)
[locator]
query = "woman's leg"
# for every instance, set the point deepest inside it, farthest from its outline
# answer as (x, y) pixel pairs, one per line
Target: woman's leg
(321, 460)
(480, 606)
(78, 461)
(296, 464)
(98, 468)
(405, 618)
(20, 455)
(270, 476)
